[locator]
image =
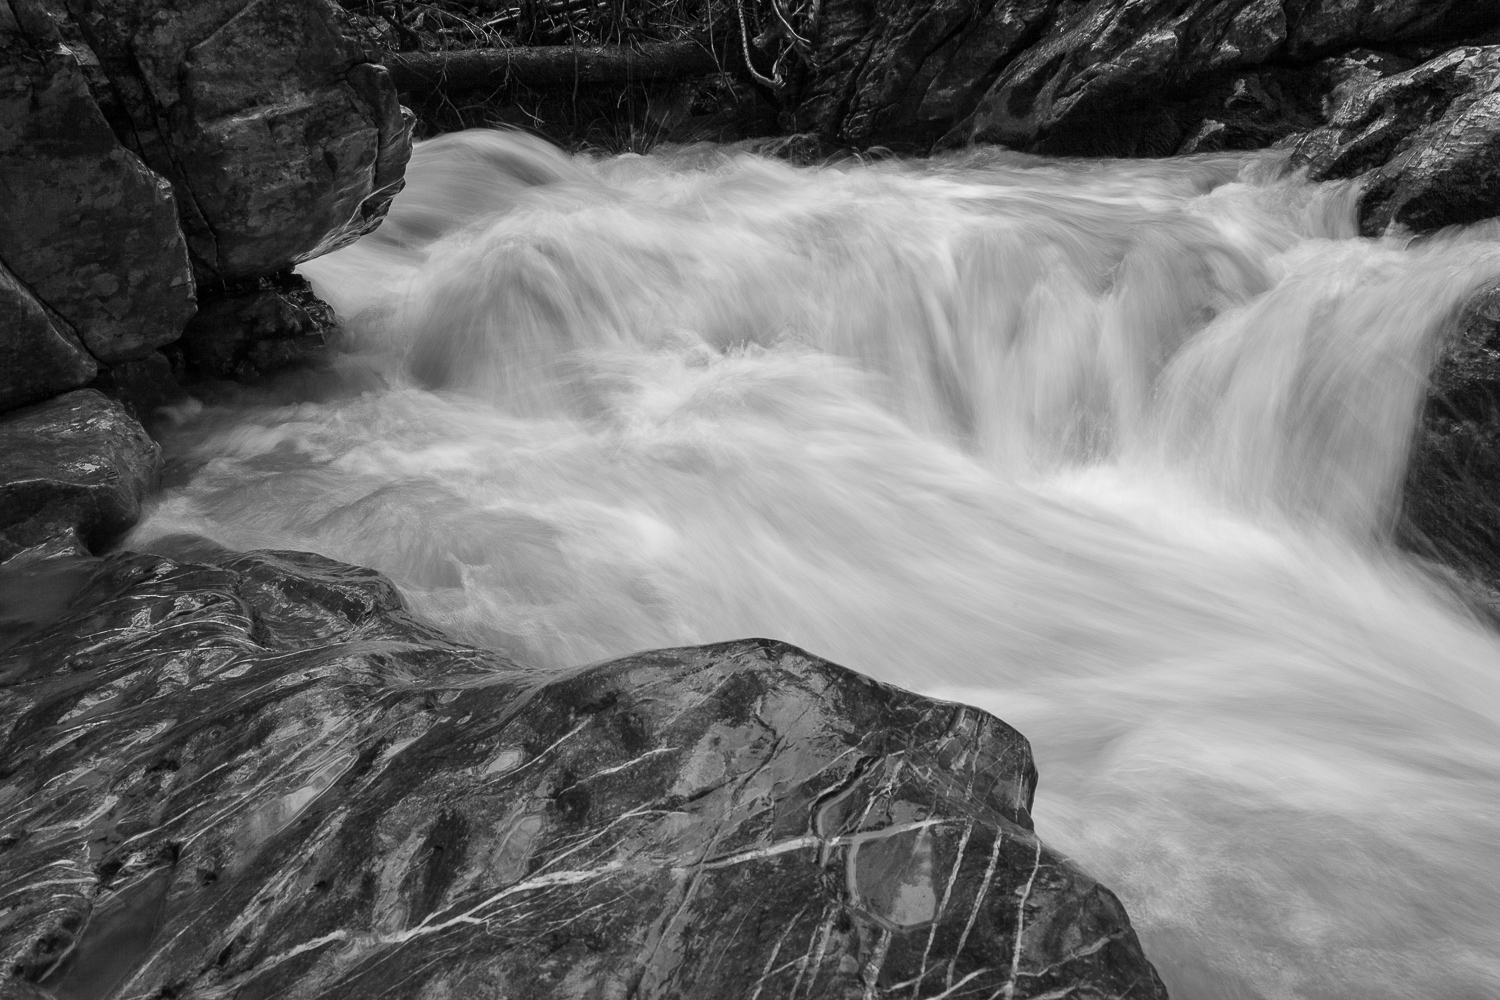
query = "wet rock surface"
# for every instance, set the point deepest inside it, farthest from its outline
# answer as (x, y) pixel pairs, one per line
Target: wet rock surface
(1429, 138)
(253, 775)
(1451, 502)
(1121, 77)
(77, 465)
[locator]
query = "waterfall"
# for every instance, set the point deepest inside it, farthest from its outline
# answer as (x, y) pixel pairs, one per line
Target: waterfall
(1111, 449)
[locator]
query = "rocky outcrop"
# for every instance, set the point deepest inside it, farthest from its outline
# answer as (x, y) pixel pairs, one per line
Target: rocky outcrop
(1124, 77)
(1428, 139)
(86, 227)
(145, 145)
(255, 776)
(146, 148)
(77, 465)
(282, 137)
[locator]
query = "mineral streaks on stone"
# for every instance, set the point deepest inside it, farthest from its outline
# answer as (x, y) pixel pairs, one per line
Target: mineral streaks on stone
(266, 781)
(76, 465)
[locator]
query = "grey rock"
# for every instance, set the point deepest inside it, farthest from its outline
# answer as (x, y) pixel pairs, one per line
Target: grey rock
(40, 355)
(1429, 138)
(76, 463)
(253, 775)
(1451, 499)
(282, 137)
(84, 224)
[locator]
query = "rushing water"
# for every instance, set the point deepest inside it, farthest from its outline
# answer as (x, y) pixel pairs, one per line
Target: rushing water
(1111, 449)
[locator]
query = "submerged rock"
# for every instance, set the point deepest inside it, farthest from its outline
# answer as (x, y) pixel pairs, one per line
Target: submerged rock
(255, 776)
(1429, 138)
(77, 464)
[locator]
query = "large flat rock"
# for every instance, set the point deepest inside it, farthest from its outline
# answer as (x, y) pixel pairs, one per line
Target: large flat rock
(77, 463)
(255, 776)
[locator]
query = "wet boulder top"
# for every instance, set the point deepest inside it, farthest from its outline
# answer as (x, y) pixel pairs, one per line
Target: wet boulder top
(254, 775)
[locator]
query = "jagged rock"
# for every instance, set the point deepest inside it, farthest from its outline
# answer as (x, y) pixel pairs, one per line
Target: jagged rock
(1451, 502)
(76, 463)
(84, 224)
(281, 135)
(268, 330)
(1429, 136)
(255, 776)
(1114, 76)
(39, 355)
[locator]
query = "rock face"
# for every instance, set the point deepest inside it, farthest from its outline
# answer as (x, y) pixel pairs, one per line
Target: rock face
(76, 464)
(1451, 503)
(1430, 137)
(39, 354)
(85, 226)
(281, 136)
(255, 776)
(1126, 77)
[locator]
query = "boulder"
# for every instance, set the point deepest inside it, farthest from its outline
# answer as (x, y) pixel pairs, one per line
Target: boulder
(85, 226)
(283, 137)
(76, 464)
(1429, 138)
(40, 355)
(1128, 77)
(253, 775)
(1451, 501)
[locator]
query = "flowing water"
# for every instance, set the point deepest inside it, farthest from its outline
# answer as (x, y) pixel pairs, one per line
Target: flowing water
(1111, 449)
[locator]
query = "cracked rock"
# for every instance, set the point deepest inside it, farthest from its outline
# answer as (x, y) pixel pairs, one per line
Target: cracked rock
(254, 775)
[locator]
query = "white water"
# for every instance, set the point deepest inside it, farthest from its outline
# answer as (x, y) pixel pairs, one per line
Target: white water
(1108, 449)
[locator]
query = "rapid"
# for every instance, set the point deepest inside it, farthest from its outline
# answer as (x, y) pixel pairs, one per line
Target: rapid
(1110, 449)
